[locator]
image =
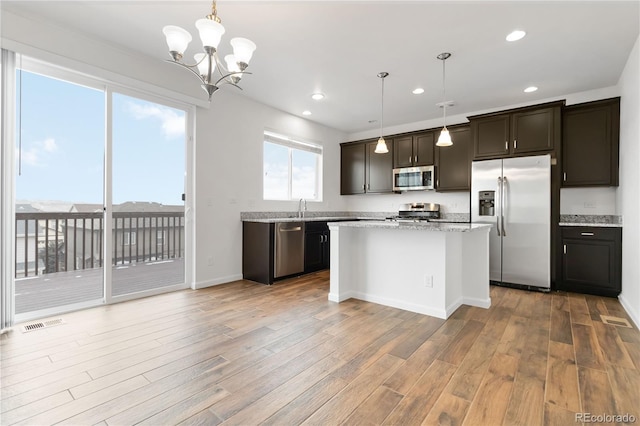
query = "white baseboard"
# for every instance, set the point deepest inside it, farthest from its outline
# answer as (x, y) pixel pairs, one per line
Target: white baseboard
(217, 281)
(480, 303)
(394, 303)
(340, 297)
(628, 308)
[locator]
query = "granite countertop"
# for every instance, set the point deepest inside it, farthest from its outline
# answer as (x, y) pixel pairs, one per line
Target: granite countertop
(605, 221)
(419, 226)
(305, 219)
(276, 217)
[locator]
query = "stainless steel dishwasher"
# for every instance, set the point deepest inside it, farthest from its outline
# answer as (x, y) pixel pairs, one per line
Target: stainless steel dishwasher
(289, 249)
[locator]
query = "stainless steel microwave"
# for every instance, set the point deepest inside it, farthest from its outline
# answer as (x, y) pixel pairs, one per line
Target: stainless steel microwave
(413, 178)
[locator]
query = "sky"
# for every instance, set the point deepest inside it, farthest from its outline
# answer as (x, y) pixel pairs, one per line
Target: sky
(61, 145)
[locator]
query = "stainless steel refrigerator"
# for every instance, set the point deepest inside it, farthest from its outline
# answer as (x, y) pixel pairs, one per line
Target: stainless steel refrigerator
(514, 195)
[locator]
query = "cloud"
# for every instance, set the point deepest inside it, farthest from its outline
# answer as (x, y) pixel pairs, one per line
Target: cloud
(38, 151)
(172, 122)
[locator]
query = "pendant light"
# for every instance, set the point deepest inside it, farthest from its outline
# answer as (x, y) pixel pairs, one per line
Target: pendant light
(445, 138)
(381, 146)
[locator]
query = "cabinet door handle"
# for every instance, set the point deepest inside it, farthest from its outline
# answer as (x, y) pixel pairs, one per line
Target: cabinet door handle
(515, 144)
(409, 159)
(564, 176)
(587, 234)
(416, 159)
(565, 249)
(506, 145)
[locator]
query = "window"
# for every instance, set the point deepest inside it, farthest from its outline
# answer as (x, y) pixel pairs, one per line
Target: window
(292, 169)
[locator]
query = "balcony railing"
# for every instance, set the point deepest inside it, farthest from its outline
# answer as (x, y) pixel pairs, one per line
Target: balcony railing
(57, 242)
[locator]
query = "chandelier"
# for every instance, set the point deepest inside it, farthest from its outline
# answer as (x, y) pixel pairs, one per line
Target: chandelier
(208, 67)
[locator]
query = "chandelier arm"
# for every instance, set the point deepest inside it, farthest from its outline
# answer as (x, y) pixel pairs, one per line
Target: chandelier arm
(185, 64)
(190, 68)
(226, 76)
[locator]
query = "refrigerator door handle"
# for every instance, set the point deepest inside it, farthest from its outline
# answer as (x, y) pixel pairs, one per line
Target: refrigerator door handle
(504, 205)
(498, 192)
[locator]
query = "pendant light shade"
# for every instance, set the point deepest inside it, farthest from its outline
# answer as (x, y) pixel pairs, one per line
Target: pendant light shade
(381, 146)
(445, 138)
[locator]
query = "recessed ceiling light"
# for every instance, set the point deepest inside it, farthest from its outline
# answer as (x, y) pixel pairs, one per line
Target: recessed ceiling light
(317, 96)
(306, 112)
(516, 35)
(530, 89)
(418, 91)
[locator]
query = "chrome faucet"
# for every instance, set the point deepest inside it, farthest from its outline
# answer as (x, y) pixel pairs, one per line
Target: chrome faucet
(302, 207)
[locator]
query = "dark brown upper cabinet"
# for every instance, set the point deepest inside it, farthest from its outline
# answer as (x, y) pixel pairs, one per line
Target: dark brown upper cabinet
(352, 167)
(591, 144)
(363, 171)
(453, 163)
(522, 131)
(413, 150)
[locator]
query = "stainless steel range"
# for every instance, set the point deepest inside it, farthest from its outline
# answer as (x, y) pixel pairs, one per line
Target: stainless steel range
(417, 212)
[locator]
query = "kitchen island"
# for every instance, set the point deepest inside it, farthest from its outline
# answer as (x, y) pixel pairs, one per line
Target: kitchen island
(424, 267)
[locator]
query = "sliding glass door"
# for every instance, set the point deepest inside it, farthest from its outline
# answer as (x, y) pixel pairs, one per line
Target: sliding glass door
(148, 183)
(99, 184)
(59, 194)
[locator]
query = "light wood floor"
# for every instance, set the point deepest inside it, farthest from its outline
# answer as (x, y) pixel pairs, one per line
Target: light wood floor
(245, 353)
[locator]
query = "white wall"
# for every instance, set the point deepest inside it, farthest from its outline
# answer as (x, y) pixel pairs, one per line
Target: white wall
(228, 176)
(629, 190)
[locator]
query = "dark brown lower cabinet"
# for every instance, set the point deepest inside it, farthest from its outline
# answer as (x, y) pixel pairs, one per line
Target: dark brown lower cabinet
(257, 252)
(316, 246)
(591, 260)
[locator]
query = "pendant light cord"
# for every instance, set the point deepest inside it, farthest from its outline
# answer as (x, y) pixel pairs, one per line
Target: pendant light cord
(444, 95)
(382, 110)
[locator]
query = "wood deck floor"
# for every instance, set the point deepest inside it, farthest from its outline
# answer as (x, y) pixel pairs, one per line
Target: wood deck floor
(244, 353)
(66, 288)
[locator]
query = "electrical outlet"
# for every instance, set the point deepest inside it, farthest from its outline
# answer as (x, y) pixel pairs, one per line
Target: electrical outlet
(210, 260)
(428, 281)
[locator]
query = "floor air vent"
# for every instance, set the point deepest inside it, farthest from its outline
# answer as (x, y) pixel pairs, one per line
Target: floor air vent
(41, 324)
(620, 322)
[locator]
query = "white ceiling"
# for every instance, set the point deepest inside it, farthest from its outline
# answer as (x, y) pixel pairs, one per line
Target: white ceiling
(338, 47)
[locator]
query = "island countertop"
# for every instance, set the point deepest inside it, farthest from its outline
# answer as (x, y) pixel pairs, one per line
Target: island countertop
(420, 226)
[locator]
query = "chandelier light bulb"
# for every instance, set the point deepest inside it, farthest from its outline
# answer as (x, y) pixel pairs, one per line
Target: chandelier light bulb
(210, 32)
(203, 64)
(242, 50)
(177, 39)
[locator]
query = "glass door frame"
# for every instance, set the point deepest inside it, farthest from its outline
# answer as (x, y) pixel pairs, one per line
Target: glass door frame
(188, 188)
(54, 71)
